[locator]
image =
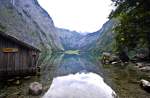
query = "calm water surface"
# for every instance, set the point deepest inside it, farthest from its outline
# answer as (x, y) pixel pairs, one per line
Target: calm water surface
(123, 79)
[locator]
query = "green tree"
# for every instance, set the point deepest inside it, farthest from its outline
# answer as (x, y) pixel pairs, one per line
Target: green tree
(134, 23)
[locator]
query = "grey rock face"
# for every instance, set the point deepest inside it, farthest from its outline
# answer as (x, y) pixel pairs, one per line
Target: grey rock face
(88, 41)
(106, 38)
(69, 39)
(77, 41)
(27, 21)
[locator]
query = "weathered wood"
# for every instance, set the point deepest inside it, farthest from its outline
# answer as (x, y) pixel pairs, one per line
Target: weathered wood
(16, 59)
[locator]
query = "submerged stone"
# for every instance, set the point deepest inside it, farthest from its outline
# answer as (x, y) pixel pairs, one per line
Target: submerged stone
(27, 77)
(146, 68)
(17, 82)
(35, 88)
(145, 85)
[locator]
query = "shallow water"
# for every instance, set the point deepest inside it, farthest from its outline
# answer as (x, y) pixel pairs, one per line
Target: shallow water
(123, 79)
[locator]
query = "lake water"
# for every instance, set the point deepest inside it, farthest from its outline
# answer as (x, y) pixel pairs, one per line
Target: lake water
(123, 79)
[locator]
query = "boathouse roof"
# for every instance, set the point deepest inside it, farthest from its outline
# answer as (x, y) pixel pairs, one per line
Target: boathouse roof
(17, 41)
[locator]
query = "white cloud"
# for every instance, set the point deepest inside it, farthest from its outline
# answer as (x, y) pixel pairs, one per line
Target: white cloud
(79, 15)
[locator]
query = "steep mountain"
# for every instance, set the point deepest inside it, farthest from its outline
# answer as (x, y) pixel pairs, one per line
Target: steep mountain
(28, 22)
(69, 39)
(100, 40)
(88, 41)
(106, 39)
(76, 41)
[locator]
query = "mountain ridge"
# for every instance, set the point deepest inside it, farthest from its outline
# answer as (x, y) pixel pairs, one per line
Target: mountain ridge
(29, 22)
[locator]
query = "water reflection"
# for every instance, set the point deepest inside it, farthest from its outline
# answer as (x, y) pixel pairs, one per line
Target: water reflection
(64, 64)
(80, 85)
(123, 79)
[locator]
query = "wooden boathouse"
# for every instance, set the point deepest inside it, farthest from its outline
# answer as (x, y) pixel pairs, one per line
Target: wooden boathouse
(16, 57)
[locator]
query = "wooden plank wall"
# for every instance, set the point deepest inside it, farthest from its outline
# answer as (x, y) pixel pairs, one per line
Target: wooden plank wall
(15, 63)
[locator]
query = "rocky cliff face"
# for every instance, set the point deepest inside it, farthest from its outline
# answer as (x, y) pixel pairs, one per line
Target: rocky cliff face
(69, 39)
(97, 41)
(87, 42)
(77, 41)
(106, 39)
(27, 21)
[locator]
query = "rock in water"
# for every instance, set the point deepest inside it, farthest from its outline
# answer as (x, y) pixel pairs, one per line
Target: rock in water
(146, 68)
(84, 85)
(140, 65)
(35, 88)
(145, 85)
(113, 63)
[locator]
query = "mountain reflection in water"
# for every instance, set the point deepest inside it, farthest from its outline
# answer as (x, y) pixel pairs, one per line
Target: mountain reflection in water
(66, 65)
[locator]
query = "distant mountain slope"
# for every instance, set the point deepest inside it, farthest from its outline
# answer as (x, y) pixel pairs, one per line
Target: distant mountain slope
(88, 41)
(96, 41)
(106, 39)
(69, 39)
(100, 40)
(27, 21)
(72, 40)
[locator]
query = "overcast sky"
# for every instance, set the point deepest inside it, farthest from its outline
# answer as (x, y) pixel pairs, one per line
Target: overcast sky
(79, 15)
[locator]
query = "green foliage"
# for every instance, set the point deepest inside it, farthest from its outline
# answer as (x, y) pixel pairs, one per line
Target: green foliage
(2, 28)
(76, 52)
(133, 29)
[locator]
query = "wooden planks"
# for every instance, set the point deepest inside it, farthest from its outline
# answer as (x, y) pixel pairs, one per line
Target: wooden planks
(16, 59)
